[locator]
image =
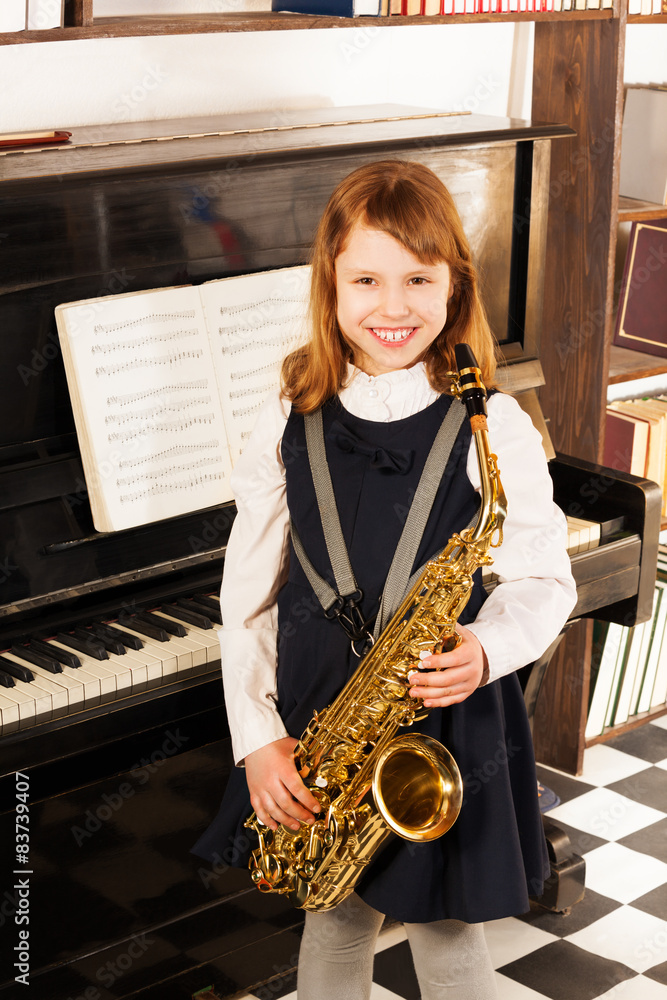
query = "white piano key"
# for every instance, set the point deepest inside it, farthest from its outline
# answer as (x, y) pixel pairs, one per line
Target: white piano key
(44, 682)
(88, 685)
(94, 668)
(9, 715)
(191, 641)
(148, 661)
(32, 708)
(73, 690)
(137, 664)
(206, 638)
(115, 679)
(176, 660)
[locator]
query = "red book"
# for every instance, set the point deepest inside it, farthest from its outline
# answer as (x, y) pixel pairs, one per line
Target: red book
(641, 320)
(625, 443)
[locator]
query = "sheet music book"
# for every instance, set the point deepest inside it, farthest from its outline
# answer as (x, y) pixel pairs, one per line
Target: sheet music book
(166, 384)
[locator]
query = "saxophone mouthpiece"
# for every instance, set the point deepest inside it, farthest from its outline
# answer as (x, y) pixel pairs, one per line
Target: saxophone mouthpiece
(473, 390)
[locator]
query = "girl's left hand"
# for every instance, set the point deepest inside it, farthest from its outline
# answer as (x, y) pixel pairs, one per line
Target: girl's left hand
(450, 677)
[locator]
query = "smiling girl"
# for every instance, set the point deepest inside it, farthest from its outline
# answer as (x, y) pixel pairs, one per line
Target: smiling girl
(393, 290)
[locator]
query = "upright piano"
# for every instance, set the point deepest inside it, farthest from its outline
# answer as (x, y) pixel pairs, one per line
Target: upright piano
(120, 762)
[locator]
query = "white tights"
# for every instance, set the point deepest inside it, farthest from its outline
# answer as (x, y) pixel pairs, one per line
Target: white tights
(336, 959)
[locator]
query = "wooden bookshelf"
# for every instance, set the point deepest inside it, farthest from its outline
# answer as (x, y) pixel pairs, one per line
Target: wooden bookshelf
(647, 19)
(634, 210)
(86, 26)
(625, 727)
(625, 365)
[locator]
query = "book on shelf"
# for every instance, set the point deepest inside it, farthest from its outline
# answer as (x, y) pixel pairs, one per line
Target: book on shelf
(644, 143)
(658, 694)
(166, 384)
(636, 439)
(43, 14)
(641, 318)
(607, 656)
(634, 658)
(331, 8)
(648, 422)
(625, 442)
(13, 15)
(629, 665)
(657, 654)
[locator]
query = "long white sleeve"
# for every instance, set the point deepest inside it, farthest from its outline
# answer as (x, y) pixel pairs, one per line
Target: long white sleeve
(519, 620)
(255, 568)
(535, 591)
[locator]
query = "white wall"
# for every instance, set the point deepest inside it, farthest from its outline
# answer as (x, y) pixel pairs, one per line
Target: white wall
(65, 84)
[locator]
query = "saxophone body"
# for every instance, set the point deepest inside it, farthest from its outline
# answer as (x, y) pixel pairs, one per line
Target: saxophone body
(370, 779)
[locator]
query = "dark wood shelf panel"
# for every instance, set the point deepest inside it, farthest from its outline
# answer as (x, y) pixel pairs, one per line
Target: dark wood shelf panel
(647, 18)
(625, 365)
(634, 723)
(188, 24)
(634, 210)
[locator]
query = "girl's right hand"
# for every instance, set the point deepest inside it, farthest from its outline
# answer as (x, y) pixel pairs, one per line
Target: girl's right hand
(277, 793)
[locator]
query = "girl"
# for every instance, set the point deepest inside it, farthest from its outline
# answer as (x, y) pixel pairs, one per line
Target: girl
(393, 290)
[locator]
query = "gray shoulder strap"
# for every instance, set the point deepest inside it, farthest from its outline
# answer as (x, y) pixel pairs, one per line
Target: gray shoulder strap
(413, 530)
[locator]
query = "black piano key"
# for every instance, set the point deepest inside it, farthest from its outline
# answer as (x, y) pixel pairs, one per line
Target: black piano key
(201, 609)
(16, 669)
(186, 614)
(45, 662)
(110, 644)
(129, 641)
(61, 655)
(6, 680)
(88, 646)
(209, 602)
(150, 631)
(172, 627)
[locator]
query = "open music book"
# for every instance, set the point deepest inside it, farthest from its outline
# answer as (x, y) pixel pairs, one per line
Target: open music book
(166, 384)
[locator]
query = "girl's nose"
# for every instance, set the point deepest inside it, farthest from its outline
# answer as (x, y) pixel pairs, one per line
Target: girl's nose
(394, 302)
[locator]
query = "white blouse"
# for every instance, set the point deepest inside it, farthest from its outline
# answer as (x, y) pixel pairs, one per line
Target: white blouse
(520, 619)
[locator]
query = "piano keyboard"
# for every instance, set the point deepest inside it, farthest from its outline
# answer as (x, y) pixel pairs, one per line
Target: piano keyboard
(70, 672)
(581, 536)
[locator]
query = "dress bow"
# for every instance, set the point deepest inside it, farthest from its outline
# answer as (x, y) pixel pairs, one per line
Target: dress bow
(399, 461)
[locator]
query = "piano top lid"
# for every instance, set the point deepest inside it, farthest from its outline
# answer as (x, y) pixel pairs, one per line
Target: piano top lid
(96, 148)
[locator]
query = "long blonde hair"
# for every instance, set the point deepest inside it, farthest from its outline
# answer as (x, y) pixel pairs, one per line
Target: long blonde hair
(409, 202)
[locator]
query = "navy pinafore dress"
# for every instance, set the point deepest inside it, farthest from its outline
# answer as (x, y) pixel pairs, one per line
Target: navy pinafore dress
(494, 856)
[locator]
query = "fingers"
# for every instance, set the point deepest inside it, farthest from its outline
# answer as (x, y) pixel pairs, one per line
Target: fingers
(449, 678)
(277, 793)
(447, 687)
(271, 813)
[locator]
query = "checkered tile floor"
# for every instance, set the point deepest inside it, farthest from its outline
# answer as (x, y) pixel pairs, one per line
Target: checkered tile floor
(614, 942)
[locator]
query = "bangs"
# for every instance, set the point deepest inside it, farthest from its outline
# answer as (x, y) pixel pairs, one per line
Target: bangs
(421, 225)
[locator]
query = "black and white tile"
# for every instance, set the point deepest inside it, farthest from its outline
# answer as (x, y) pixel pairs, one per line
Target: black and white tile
(613, 944)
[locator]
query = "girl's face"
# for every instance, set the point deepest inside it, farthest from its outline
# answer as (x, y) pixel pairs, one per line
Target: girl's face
(390, 306)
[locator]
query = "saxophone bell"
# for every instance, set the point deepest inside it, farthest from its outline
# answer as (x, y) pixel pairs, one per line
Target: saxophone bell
(417, 787)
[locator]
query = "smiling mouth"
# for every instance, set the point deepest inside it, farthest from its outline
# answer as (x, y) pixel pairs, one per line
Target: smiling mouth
(393, 335)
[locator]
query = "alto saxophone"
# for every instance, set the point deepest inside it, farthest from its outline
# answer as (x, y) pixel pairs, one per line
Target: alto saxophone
(369, 781)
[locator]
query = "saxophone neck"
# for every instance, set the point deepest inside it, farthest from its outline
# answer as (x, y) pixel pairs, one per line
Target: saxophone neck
(493, 508)
(467, 385)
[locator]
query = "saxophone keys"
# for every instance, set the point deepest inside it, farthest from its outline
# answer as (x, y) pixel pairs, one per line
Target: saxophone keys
(447, 643)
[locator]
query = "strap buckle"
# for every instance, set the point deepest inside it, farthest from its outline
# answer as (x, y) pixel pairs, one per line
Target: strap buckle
(348, 613)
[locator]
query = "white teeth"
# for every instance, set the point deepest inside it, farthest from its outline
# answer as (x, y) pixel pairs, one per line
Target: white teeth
(393, 335)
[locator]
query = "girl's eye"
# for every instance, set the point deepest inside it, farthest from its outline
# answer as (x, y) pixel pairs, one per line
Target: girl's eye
(364, 281)
(419, 281)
